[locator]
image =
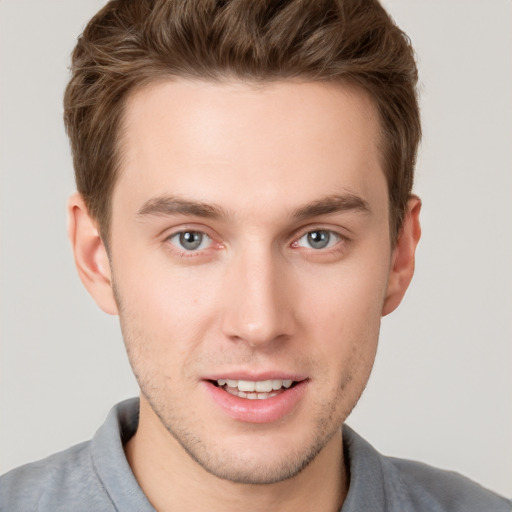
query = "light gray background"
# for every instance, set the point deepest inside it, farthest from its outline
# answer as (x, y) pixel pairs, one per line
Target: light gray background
(442, 385)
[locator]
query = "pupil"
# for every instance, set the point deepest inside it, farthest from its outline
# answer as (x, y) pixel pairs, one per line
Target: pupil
(191, 240)
(318, 239)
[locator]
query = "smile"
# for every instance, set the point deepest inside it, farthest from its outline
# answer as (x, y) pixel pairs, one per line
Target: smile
(256, 401)
(254, 390)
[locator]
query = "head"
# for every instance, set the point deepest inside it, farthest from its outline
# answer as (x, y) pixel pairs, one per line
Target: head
(128, 45)
(250, 166)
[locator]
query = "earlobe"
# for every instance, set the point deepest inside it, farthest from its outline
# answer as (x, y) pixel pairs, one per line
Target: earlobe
(402, 268)
(91, 257)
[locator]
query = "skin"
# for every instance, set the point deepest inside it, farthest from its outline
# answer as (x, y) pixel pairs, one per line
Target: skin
(243, 165)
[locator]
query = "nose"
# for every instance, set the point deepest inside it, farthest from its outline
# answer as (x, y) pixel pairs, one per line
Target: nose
(258, 303)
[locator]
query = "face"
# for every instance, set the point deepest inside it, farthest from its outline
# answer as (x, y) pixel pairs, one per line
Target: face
(250, 258)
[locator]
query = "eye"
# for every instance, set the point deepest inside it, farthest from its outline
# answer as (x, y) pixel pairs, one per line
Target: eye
(318, 239)
(190, 240)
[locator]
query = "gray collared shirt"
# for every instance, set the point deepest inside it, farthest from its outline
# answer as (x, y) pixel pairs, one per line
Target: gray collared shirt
(95, 476)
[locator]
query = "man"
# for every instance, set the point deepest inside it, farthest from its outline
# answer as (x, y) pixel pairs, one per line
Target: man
(244, 174)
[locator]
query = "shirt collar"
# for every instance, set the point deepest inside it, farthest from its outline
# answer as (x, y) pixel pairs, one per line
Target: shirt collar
(109, 459)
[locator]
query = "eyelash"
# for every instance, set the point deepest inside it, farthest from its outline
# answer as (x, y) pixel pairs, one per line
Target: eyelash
(183, 252)
(339, 243)
(328, 232)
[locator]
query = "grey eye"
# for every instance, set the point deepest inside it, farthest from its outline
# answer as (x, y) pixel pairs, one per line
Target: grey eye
(318, 239)
(190, 240)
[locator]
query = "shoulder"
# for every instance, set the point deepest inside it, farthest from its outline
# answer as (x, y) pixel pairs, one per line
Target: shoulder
(63, 481)
(433, 489)
(388, 484)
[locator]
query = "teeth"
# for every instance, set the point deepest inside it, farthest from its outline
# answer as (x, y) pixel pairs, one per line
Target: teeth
(254, 387)
(263, 386)
(250, 396)
(277, 384)
(246, 385)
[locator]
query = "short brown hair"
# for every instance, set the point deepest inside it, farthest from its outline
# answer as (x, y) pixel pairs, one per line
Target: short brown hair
(130, 43)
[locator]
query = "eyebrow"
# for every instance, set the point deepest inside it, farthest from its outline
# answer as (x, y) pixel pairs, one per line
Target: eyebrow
(333, 204)
(171, 205)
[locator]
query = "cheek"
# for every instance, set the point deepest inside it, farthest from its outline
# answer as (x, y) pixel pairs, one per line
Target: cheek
(165, 312)
(348, 298)
(343, 310)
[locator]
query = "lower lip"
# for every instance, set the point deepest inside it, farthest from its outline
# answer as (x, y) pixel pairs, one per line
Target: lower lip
(257, 411)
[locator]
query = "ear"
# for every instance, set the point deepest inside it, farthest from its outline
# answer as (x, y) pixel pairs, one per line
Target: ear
(402, 267)
(91, 258)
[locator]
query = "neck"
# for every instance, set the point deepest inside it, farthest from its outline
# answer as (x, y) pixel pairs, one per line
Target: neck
(173, 481)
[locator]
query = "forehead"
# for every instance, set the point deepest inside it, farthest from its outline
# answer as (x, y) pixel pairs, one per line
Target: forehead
(236, 143)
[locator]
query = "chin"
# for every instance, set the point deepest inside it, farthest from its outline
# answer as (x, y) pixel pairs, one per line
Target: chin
(257, 468)
(254, 458)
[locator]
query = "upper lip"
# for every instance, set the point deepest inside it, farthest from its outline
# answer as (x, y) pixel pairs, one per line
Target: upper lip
(255, 377)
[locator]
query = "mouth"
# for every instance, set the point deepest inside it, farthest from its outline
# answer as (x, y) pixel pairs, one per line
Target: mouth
(263, 400)
(254, 390)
